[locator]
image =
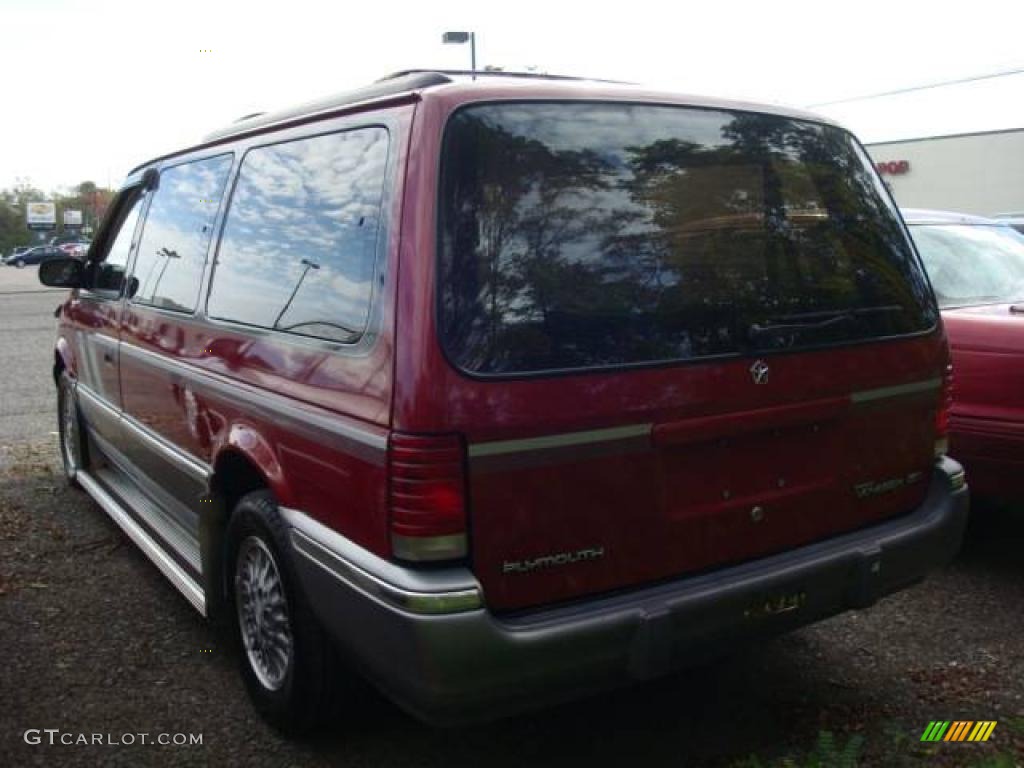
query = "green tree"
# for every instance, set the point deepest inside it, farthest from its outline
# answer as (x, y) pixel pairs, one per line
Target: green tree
(13, 231)
(86, 196)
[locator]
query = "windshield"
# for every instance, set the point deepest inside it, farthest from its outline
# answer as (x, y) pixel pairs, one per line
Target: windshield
(972, 264)
(583, 235)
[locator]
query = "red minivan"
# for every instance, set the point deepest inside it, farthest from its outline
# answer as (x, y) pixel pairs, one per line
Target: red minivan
(502, 389)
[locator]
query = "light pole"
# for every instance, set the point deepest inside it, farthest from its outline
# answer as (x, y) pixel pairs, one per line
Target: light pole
(458, 38)
(308, 265)
(168, 255)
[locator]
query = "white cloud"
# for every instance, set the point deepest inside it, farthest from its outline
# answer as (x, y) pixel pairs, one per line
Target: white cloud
(94, 87)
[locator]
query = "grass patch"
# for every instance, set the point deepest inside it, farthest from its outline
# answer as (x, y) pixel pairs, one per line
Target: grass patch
(996, 761)
(827, 753)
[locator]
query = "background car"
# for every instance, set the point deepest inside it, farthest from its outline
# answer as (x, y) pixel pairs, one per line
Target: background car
(35, 255)
(67, 239)
(77, 249)
(976, 267)
(18, 249)
(1015, 220)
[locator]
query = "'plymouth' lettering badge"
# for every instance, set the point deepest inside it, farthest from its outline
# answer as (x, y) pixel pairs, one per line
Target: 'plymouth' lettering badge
(877, 487)
(552, 561)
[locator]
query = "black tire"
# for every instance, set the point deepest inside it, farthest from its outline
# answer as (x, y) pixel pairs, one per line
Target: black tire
(71, 430)
(297, 700)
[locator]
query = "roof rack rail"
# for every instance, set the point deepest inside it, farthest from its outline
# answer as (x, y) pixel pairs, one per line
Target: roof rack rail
(392, 86)
(497, 73)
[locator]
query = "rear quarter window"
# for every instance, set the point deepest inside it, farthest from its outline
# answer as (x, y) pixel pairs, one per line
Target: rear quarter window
(587, 235)
(300, 240)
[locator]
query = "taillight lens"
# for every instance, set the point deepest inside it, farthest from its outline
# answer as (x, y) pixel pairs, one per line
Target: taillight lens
(942, 413)
(427, 496)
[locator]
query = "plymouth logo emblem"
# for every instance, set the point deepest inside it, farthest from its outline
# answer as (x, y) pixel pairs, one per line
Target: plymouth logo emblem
(759, 370)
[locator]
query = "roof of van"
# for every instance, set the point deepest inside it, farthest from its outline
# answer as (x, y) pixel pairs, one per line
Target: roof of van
(927, 216)
(418, 84)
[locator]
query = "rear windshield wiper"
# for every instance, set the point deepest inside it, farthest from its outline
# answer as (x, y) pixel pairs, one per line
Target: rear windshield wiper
(815, 320)
(770, 326)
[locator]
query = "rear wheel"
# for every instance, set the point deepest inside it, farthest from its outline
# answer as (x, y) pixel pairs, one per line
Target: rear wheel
(19, 263)
(286, 658)
(263, 615)
(72, 436)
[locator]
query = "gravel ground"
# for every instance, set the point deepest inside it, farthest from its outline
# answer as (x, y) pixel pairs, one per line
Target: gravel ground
(96, 641)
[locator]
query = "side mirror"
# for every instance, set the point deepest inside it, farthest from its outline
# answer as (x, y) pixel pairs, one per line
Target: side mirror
(64, 272)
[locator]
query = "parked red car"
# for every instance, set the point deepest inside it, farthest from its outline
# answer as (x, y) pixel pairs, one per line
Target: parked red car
(76, 249)
(504, 389)
(976, 266)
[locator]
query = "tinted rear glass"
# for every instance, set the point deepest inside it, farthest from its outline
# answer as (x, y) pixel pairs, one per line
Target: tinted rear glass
(582, 235)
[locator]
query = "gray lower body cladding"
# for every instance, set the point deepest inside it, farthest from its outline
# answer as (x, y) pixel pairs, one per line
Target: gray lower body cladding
(472, 665)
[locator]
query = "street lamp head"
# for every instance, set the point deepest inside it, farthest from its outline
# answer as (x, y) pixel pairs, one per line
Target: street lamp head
(463, 37)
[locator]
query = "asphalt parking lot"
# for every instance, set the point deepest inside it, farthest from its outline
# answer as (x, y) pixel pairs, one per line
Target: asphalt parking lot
(96, 641)
(27, 397)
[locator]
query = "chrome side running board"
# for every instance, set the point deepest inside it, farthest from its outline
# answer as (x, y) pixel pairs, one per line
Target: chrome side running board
(192, 591)
(169, 534)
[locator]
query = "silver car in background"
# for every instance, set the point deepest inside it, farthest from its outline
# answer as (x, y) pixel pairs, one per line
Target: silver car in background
(1015, 220)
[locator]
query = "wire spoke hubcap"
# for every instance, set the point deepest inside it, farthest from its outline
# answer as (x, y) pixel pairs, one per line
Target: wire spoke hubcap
(263, 613)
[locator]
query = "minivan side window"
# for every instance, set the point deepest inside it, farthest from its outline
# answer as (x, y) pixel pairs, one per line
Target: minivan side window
(177, 233)
(300, 240)
(105, 275)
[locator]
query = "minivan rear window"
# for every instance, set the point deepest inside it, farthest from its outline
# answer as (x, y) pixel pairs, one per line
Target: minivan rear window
(584, 235)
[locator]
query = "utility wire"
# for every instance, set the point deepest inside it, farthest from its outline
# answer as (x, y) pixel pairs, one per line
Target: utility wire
(989, 76)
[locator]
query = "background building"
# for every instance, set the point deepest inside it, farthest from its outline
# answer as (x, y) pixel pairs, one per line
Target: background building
(980, 173)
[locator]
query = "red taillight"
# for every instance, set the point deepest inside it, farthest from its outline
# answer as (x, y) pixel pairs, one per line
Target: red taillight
(942, 413)
(427, 496)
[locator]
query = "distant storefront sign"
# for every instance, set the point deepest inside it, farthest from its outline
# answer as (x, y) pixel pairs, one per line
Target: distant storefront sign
(72, 218)
(41, 215)
(893, 167)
